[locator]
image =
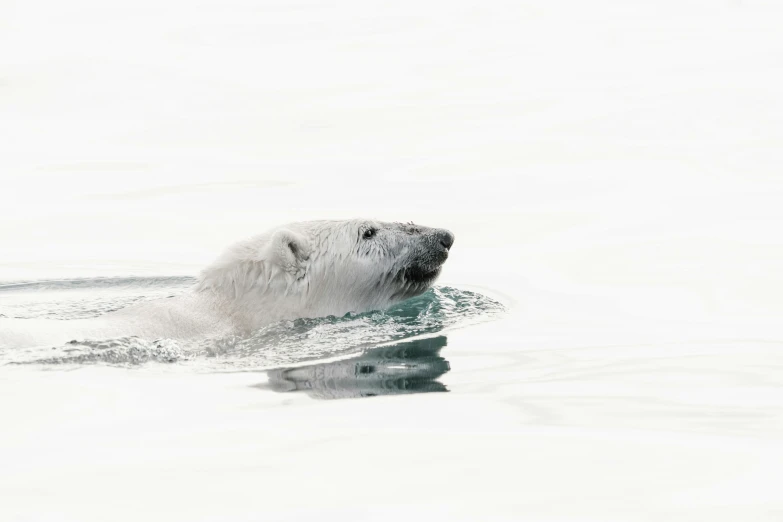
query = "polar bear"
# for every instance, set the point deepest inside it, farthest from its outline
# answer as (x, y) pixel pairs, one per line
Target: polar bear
(305, 269)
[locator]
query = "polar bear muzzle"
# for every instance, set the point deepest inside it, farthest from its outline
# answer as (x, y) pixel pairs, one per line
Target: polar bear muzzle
(424, 261)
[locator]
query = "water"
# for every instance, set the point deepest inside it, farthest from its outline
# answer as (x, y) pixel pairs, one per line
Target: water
(283, 343)
(611, 171)
(66, 299)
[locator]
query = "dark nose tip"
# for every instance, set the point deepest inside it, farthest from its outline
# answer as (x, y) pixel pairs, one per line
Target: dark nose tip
(446, 238)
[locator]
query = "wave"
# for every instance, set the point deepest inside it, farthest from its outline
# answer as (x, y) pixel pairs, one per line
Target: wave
(98, 283)
(66, 299)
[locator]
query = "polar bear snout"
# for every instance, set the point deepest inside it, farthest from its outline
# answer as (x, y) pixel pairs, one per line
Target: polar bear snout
(438, 242)
(445, 237)
(425, 263)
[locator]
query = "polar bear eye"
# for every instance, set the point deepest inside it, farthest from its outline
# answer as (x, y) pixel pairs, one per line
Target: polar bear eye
(369, 233)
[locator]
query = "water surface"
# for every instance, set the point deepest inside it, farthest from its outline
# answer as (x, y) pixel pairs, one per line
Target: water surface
(278, 344)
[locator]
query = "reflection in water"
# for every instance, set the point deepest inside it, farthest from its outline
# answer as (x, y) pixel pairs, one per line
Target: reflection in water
(409, 367)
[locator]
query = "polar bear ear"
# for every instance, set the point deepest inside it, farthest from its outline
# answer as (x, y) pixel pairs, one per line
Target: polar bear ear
(289, 251)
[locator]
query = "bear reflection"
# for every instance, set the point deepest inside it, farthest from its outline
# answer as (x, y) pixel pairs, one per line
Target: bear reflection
(409, 367)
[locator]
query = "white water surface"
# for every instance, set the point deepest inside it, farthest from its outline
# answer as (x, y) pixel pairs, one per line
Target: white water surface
(611, 171)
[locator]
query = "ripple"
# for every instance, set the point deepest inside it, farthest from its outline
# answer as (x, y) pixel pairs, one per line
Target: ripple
(125, 351)
(277, 345)
(66, 299)
(291, 342)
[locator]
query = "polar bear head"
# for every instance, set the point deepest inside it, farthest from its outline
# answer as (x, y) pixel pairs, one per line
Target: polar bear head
(319, 268)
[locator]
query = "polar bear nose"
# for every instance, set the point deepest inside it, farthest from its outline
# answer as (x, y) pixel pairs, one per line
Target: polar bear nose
(445, 237)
